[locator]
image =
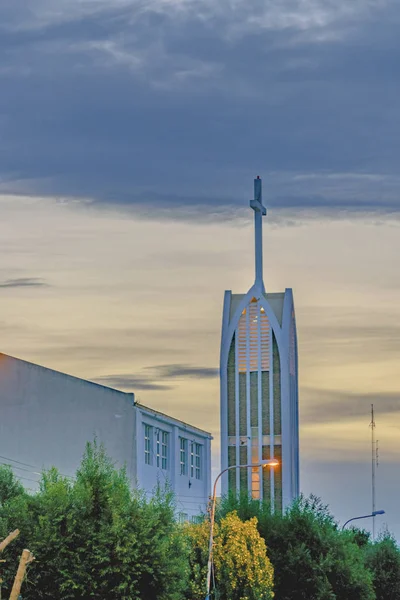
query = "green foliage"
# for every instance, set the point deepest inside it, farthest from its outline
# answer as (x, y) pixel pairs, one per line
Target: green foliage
(312, 559)
(242, 569)
(383, 558)
(10, 487)
(95, 538)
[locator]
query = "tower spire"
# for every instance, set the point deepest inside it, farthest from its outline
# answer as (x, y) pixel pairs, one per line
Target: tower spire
(259, 212)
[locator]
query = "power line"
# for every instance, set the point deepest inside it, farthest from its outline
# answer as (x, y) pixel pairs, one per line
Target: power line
(27, 478)
(28, 465)
(20, 468)
(167, 481)
(19, 462)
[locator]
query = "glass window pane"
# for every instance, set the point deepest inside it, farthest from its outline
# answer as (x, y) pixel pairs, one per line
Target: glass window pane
(198, 470)
(147, 444)
(183, 455)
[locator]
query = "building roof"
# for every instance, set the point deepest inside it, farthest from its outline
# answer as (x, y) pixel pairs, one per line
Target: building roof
(129, 396)
(60, 373)
(157, 412)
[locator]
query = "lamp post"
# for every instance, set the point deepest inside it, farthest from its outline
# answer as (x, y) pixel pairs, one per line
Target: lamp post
(373, 514)
(272, 462)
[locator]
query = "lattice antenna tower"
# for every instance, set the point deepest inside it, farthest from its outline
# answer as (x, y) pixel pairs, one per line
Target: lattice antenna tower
(374, 463)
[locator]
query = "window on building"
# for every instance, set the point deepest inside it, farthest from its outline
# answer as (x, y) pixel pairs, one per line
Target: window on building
(253, 331)
(197, 519)
(195, 460)
(158, 456)
(183, 517)
(162, 449)
(147, 444)
(255, 483)
(183, 455)
(198, 461)
(192, 445)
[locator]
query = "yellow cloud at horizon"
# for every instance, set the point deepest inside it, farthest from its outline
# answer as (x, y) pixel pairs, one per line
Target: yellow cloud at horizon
(127, 293)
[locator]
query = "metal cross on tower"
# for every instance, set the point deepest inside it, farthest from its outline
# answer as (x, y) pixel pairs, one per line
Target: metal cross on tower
(259, 212)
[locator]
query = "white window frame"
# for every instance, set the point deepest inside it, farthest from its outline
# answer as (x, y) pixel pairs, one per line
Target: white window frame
(198, 461)
(158, 448)
(148, 444)
(162, 443)
(183, 454)
(164, 449)
(192, 459)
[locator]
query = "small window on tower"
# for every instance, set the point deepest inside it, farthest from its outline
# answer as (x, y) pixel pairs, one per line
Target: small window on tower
(253, 339)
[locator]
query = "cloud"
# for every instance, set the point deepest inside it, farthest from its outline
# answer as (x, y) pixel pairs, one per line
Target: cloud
(383, 338)
(22, 282)
(170, 108)
(325, 406)
(131, 382)
(180, 371)
(154, 376)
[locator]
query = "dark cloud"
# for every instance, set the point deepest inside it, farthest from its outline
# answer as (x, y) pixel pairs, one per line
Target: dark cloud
(175, 110)
(131, 382)
(153, 378)
(180, 371)
(23, 282)
(322, 406)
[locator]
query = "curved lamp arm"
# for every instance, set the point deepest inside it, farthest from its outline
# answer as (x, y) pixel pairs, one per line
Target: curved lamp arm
(376, 512)
(272, 462)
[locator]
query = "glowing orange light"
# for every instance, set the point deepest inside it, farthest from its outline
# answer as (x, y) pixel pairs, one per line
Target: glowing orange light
(272, 463)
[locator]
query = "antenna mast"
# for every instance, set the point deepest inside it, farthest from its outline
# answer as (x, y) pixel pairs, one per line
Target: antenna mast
(373, 466)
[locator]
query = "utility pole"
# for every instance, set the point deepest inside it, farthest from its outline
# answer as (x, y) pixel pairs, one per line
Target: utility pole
(4, 544)
(26, 558)
(373, 466)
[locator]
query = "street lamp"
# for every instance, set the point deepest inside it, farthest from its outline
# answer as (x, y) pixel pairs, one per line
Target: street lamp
(373, 514)
(272, 462)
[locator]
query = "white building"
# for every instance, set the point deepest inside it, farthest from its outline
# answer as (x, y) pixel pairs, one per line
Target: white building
(259, 386)
(47, 417)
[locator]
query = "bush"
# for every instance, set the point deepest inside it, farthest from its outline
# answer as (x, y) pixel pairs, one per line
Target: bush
(312, 559)
(242, 568)
(95, 538)
(383, 558)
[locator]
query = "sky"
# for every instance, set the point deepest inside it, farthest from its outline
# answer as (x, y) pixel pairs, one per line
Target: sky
(130, 134)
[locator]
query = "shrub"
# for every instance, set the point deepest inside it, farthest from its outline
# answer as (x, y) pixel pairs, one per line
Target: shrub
(242, 568)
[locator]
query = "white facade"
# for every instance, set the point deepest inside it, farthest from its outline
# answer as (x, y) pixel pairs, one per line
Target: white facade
(259, 386)
(174, 452)
(47, 417)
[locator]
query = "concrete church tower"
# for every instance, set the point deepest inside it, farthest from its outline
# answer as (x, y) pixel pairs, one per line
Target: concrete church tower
(259, 386)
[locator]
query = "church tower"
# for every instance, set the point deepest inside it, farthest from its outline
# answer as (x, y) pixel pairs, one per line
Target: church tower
(259, 386)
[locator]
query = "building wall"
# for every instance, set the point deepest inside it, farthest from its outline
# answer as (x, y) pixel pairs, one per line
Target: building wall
(46, 419)
(192, 487)
(259, 395)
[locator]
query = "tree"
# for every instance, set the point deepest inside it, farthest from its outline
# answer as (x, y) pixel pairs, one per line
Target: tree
(242, 568)
(10, 487)
(93, 537)
(383, 559)
(310, 556)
